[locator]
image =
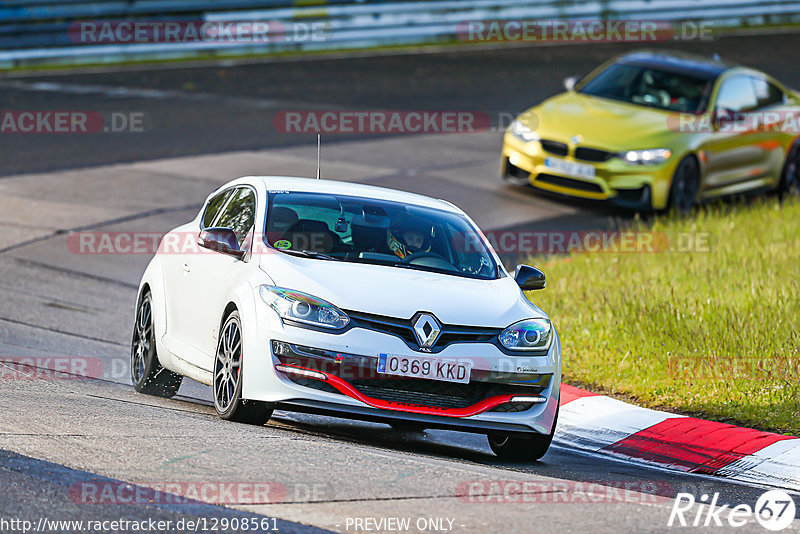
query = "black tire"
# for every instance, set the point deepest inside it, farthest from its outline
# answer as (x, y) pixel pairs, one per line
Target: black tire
(789, 186)
(147, 374)
(684, 187)
(521, 447)
(227, 380)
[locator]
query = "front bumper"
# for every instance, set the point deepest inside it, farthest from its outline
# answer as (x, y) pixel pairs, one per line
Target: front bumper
(350, 386)
(634, 187)
(357, 377)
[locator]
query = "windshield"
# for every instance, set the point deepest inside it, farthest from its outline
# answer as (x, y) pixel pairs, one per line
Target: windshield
(363, 230)
(652, 87)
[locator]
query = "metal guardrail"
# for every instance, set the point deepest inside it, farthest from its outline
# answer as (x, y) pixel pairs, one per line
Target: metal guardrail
(40, 31)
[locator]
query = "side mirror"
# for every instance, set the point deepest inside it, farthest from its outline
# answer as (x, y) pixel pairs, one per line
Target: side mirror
(723, 116)
(570, 82)
(529, 278)
(222, 240)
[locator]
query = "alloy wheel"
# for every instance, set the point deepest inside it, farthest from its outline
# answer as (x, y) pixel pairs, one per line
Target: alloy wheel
(227, 367)
(142, 340)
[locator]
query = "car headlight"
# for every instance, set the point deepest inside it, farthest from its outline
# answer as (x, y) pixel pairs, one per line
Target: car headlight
(530, 334)
(653, 156)
(303, 308)
(520, 131)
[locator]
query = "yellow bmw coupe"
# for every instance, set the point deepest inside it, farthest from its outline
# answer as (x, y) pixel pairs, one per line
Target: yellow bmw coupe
(655, 130)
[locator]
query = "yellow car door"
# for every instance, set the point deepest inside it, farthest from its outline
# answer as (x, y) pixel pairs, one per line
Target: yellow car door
(777, 126)
(734, 157)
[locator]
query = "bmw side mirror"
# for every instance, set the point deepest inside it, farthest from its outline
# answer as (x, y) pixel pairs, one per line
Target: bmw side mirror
(222, 240)
(570, 82)
(723, 116)
(529, 278)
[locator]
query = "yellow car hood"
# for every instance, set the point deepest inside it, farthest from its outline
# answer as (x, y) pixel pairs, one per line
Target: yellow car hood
(602, 123)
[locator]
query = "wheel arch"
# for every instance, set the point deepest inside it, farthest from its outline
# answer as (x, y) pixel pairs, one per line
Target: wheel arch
(143, 290)
(240, 300)
(229, 308)
(693, 155)
(792, 149)
(662, 183)
(153, 282)
(698, 161)
(256, 352)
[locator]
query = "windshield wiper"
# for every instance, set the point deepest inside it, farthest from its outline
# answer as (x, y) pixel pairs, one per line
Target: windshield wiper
(309, 254)
(425, 268)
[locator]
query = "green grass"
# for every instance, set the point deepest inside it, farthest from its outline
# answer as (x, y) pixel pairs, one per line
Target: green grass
(712, 333)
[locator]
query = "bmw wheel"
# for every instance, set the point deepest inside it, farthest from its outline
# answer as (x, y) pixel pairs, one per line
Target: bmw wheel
(521, 447)
(227, 381)
(790, 180)
(685, 184)
(147, 375)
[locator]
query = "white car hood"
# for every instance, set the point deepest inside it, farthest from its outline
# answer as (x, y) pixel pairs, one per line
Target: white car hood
(400, 293)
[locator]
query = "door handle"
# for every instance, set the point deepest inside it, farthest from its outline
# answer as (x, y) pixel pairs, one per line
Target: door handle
(186, 268)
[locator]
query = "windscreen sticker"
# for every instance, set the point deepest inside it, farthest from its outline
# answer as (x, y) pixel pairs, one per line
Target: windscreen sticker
(283, 244)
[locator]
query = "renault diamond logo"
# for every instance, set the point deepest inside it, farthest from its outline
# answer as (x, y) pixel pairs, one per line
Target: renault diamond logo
(427, 330)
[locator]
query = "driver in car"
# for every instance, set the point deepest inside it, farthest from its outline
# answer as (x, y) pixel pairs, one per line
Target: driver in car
(409, 235)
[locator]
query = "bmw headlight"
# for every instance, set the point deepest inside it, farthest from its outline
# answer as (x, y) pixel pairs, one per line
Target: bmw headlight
(303, 308)
(520, 131)
(530, 334)
(653, 156)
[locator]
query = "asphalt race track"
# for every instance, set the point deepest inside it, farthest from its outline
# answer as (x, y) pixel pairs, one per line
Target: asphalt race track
(210, 124)
(218, 109)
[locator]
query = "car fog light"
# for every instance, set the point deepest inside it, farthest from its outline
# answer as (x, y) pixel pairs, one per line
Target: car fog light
(301, 372)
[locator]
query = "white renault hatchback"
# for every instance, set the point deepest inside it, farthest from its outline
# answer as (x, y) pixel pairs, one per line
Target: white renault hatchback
(348, 300)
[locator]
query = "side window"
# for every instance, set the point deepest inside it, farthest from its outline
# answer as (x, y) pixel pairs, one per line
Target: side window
(213, 207)
(239, 214)
(737, 94)
(766, 93)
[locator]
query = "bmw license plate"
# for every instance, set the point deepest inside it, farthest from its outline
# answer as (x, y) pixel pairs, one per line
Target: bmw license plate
(428, 368)
(579, 170)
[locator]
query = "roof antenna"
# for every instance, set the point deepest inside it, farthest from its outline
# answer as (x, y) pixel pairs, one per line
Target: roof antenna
(319, 146)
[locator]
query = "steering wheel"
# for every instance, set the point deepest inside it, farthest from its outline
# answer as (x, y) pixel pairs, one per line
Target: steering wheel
(421, 256)
(428, 259)
(658, 97)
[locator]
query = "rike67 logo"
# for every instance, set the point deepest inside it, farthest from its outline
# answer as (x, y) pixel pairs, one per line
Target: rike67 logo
(774, 510)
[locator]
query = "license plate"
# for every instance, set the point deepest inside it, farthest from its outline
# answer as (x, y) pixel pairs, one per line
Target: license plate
(424, 367)
(579, 170)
